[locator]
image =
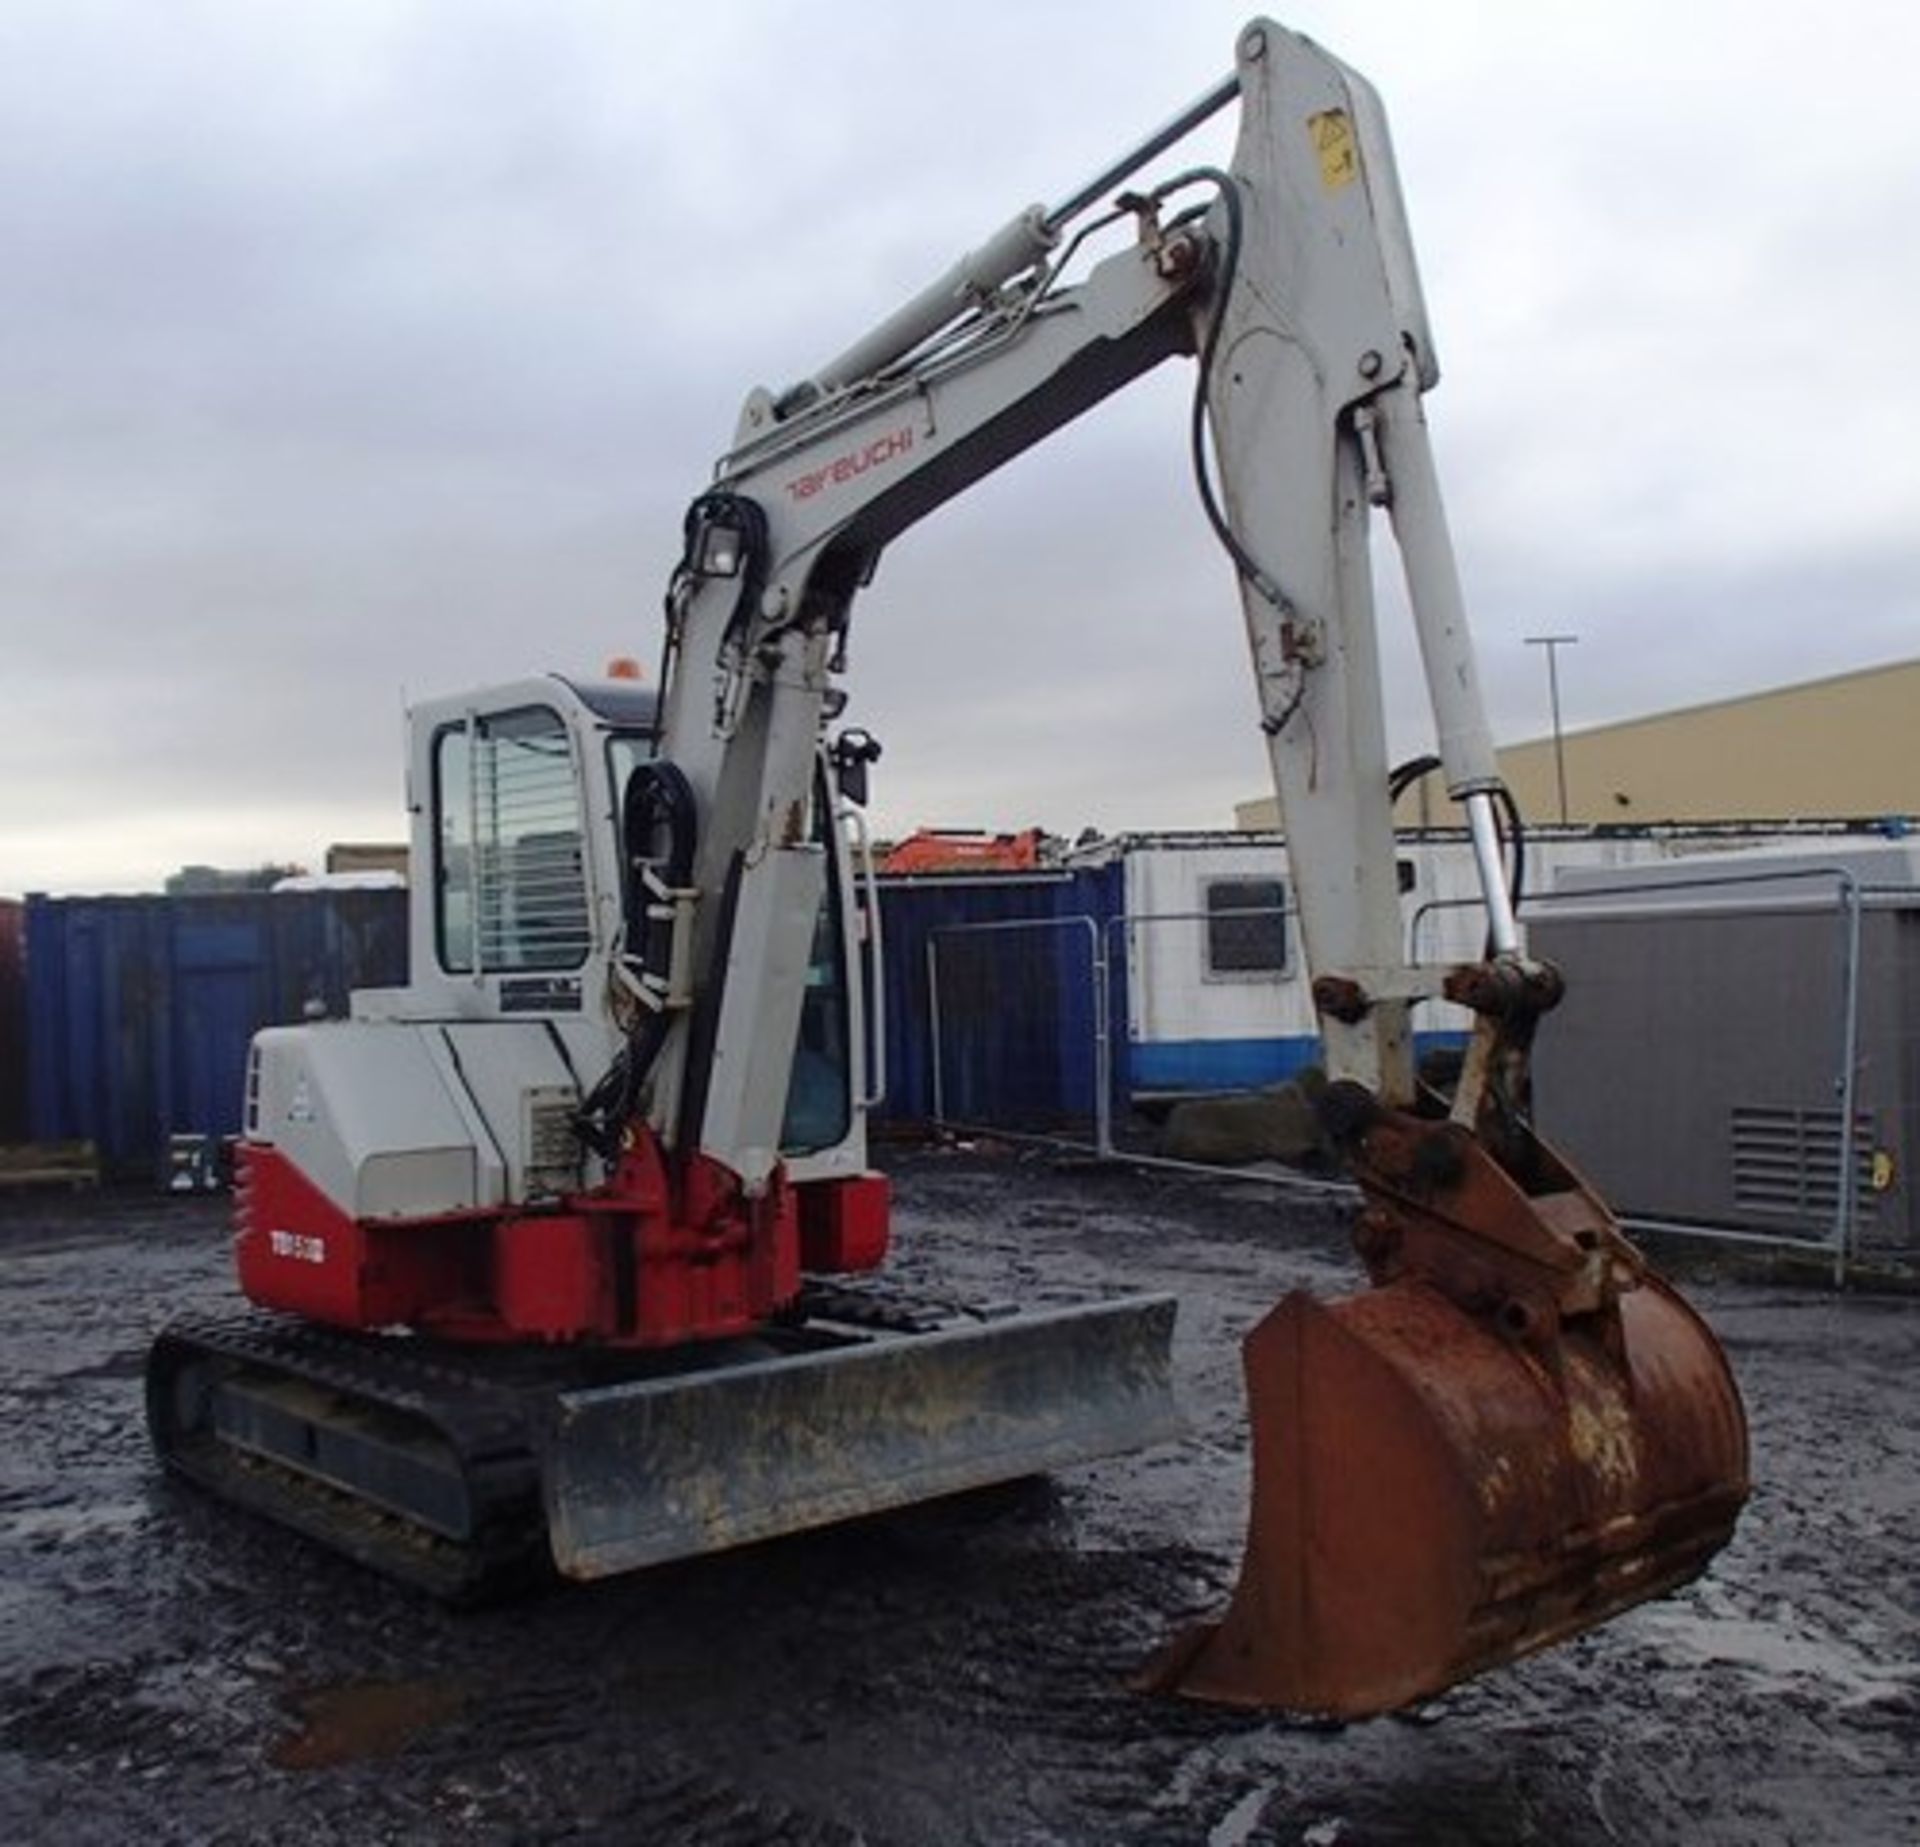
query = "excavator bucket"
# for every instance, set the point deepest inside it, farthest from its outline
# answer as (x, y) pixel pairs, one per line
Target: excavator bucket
(1446, 1478)
(1430, 1499)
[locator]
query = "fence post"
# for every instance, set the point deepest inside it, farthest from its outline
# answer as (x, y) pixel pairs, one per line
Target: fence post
(1102, 1042)
(1843, 1230)
(933, 1027)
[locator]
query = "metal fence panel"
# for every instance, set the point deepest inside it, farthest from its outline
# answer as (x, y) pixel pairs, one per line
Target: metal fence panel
(1019, 1026)
(1738, 1054)
(913, 909)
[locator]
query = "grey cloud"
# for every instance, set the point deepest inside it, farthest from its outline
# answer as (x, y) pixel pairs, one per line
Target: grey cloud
(345, 349)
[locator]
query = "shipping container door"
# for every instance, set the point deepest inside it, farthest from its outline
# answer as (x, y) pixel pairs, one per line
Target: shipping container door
(220, 993)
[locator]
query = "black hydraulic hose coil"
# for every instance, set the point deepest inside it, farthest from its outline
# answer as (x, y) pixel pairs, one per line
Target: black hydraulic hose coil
(658, 834)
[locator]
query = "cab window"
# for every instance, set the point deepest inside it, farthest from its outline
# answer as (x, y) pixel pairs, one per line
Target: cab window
(820, 1091)
(511, 889)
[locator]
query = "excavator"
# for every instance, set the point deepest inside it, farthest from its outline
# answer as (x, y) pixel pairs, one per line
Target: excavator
(568, 1256)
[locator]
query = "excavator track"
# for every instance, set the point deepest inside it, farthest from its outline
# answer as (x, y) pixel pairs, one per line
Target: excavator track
(475, 1473)
(403, 1455)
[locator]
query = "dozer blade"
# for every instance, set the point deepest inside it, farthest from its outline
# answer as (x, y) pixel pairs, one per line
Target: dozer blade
(650, 1470)
(1432, 1497)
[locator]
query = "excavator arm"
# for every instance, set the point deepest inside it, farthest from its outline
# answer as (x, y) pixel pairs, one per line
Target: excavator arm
(1518, 1430)
(1292, 281)
(758, 621)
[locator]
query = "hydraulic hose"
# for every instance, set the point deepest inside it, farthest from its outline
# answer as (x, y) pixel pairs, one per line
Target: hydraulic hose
(658, 834)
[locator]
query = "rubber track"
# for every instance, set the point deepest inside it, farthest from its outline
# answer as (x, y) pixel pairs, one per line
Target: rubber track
(488, 1406)
(488, 1425)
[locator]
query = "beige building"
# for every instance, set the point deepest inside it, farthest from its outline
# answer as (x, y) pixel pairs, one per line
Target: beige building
(367, 856)
(1846, 748)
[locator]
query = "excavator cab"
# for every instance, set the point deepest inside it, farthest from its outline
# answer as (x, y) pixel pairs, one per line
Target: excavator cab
(692, 1366)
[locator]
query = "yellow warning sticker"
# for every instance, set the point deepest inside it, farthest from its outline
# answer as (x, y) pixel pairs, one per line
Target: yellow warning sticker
(1334, 143)
(1883, 1173)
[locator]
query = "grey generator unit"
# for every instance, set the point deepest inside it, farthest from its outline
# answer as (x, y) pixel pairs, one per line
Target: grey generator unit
(1697, 1070)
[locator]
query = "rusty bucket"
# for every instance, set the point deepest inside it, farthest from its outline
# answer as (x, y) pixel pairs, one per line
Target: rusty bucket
(1432, 1497)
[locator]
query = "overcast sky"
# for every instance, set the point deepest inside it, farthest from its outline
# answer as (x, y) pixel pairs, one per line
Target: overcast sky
(351, 353)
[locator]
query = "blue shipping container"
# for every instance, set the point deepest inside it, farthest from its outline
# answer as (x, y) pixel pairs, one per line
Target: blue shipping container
(139, 1010)
(13, 1021)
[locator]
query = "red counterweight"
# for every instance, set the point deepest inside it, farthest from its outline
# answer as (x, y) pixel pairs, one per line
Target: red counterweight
(652, 1259)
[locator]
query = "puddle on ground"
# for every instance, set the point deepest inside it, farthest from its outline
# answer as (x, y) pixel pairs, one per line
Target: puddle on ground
(1782, 1650)
(43, 1525)
(1236, 1827)
(366, 1718)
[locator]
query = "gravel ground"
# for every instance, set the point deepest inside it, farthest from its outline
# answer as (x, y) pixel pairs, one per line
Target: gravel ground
(173, 1672)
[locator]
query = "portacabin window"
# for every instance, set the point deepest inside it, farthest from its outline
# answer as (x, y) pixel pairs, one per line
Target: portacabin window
(510, 872)
(1246, 929)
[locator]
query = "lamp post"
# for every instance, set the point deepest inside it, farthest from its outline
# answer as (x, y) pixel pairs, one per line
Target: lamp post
(1553, 644)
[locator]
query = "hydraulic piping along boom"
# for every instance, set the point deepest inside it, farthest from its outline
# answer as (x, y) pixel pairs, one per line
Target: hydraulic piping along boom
(1026, 240)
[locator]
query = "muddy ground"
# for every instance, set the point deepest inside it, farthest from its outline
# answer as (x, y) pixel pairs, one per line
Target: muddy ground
(172, 1673)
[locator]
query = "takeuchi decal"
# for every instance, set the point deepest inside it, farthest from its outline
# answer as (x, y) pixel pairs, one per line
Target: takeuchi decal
(876, 454)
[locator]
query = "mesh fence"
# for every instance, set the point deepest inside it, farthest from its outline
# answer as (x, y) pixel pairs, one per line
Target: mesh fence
(1019, 1015)
(1737, 1057)
(1027, 1025)
(1738, 1054)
